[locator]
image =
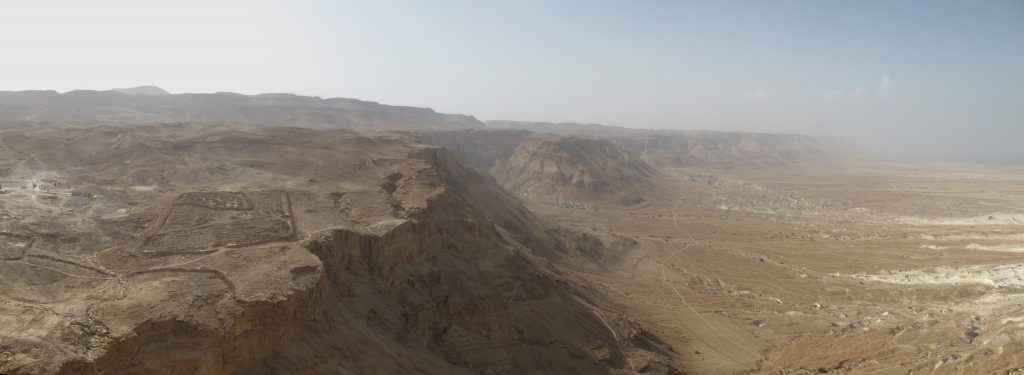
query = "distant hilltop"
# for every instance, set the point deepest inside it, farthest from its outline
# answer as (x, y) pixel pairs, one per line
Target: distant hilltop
(142, 90)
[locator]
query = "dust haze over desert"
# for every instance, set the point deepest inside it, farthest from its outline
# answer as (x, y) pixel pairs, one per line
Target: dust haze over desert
(511, 187)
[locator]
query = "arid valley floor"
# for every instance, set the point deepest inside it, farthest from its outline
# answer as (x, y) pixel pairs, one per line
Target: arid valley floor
(830, 268)
(169, 245)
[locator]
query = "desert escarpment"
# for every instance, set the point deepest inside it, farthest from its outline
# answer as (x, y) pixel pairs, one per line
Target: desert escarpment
(226, 249)
(691, 148)
(148, 105)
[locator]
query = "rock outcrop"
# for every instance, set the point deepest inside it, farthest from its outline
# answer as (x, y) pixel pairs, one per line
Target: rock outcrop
(565, 169)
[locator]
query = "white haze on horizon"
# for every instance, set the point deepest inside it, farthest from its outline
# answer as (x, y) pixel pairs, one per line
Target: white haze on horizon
(917, 79)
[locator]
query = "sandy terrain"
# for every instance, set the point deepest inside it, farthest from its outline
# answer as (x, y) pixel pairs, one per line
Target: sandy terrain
(858, 267)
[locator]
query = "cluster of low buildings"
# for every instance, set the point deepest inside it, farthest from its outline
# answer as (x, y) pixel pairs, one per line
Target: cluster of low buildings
(46, 184)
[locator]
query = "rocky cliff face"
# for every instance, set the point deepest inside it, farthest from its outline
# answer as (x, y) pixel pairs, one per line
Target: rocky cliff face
(149, 105)
(267, 250)
(568, 168)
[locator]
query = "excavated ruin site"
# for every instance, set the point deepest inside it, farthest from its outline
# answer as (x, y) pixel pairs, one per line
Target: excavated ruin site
(145, 240)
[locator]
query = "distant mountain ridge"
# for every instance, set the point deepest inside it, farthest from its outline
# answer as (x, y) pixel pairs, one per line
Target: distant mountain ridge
(556, 127)
(150, 104)
(687, 148)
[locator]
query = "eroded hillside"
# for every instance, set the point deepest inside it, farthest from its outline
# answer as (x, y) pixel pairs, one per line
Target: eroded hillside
(567, 169)
(183, 249)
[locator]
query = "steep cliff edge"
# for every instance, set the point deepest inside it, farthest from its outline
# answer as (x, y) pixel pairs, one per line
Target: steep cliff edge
(269, 250)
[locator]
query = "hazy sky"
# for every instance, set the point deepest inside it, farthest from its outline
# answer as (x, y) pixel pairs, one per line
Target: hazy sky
(916, 78)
